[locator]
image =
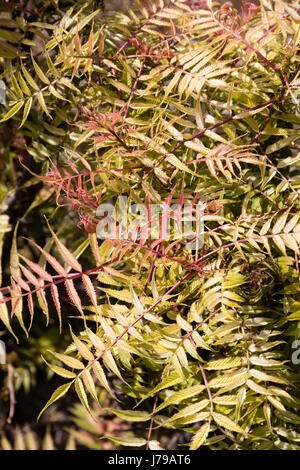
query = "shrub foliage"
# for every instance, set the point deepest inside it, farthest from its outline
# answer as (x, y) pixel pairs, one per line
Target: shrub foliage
(173, 99)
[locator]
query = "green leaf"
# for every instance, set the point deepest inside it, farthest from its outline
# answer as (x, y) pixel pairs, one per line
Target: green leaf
(81, 393)
(39, 72)
(82, 348)
(222, 364)
(29, 78)
(188, 410)
(56, 93)
(127, 441)
(41, 100)
(13, 111)
(200, 437)
(68, 360)
(60, 371)
(172, 380)
(27, 108)
(227, 423)
(99, 373)
(181, 395)
(132, 416)
(58, 393)
(5, 317)
(281, 143)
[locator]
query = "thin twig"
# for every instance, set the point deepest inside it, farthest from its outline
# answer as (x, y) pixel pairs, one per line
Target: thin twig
(11, 390)
(151, 422)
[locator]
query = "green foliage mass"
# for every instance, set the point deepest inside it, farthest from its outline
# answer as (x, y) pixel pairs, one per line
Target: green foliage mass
(172, 99)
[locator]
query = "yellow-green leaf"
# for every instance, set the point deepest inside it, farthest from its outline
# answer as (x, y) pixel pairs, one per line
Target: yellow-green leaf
(59, 392)
(200, 437)
(227, 423)
(13, 111)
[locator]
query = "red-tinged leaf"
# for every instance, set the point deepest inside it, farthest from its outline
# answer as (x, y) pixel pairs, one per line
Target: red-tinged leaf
(68, 257)
(165, 214)
(60, 187)
(125, 249)
(117, 248)
(145, 257)
(95, 247)
(73, 295)
(51, 260)
(17, 304)
(136, 251)
(85, 163)
(37, 269)
(22, 284)
(90, 289)
(30, 277)
(31, 308)
(77, 43)
(91, 42)
(14, 257)
(55, 264)
(73, 166)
